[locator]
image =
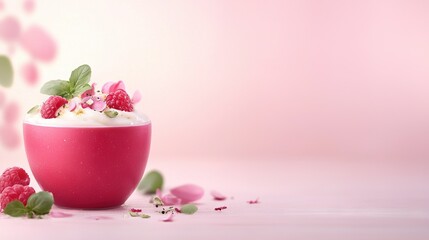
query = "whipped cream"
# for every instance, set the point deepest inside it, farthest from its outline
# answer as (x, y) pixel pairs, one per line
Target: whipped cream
(88, 118)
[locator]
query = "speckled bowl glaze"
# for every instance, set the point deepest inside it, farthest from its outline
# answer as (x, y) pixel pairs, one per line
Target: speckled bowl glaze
(88, 167)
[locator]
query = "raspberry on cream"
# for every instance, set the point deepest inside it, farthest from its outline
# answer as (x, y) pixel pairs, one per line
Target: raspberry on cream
(76, 103)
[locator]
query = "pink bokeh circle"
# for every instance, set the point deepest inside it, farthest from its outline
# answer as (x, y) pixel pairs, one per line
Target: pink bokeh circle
(10, 29)
(39, 43)
(29, 6)
(9, 136)
(30, 73)
(11, 113)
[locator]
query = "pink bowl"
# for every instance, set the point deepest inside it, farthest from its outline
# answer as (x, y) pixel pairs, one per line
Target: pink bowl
(88, 167)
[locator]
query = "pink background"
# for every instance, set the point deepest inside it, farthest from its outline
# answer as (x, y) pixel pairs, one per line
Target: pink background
(323, 98)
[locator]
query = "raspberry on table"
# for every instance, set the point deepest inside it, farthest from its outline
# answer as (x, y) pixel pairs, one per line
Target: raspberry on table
(12, 176)
(15, 192)
(119, 100)
(50, 107)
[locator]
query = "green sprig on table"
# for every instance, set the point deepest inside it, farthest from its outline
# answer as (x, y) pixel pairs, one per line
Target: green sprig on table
(38, 204)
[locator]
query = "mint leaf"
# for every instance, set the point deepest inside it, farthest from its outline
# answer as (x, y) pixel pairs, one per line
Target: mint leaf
(80, 76)
(150, 182)
(77, 84)
(40, 203)
(15, 209)
(111, 113)
(6, 72)
(57, 87)
(81, 89)
(189, 209)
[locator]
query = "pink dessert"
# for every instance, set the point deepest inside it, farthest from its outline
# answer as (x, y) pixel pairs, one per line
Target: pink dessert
(88, 148)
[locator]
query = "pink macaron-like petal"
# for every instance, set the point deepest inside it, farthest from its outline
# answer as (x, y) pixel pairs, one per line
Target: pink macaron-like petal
(169, 218)
(170, 200)
(73, 103)
(218, 196)
(72, 106)
(106, 87)
(188, 192)
(118, 85)
(136, 97)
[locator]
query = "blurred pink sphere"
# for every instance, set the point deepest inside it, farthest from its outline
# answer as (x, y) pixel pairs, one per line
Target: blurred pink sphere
(10, 29)
(39, 44)
(30, 73)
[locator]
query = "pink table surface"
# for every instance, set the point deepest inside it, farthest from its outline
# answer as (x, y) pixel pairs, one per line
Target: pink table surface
(290, 208)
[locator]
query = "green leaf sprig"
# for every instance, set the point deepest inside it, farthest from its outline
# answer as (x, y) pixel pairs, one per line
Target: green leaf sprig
(151, 181)
(76, 85)
(189, 209)
(38, 204)
(6, 71)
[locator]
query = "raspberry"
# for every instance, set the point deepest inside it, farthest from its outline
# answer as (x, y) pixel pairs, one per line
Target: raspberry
(16, 192)
(51, 106)
(12, 176)
(119, 100)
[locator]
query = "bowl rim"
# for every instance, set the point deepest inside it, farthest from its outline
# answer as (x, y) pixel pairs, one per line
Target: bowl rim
(25, 122)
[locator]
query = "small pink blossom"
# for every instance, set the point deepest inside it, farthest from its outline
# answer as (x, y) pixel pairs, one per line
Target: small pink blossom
(95, 102)
(98, 103)
(168, 199)
(86, 103)
(89, 92)
(110, 87)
